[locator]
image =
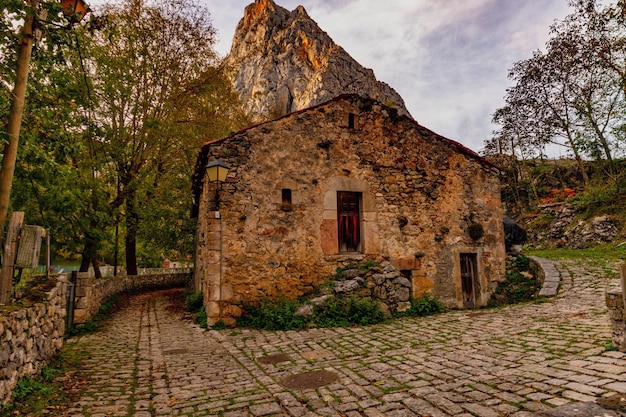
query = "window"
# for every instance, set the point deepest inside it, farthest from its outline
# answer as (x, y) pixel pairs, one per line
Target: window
(350, 120)
(286, 198)
(349, 219)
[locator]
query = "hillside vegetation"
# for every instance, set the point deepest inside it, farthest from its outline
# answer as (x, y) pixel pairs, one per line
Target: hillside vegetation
(550, 199)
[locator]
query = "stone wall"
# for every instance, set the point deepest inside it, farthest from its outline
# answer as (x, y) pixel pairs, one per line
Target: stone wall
(30, 337)
(379, 282)
(90, 293)
(421, 195)
(615, 304)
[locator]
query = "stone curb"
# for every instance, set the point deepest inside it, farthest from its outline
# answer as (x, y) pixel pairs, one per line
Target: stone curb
(551, 276)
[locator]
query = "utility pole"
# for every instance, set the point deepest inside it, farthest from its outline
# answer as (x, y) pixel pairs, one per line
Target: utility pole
(10, 148)
(17, 109)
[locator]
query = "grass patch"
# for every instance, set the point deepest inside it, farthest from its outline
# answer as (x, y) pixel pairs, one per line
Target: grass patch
(93, 324)
(45, 394)
(598, 254)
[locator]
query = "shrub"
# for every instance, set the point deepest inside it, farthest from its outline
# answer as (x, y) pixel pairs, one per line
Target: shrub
(219, 325)
(201, 318)
(335, 312)
(522, 263)
(347, 311)
(270, 315)
(194, 302)
(364, 311)
(422, 306)
(516, 288)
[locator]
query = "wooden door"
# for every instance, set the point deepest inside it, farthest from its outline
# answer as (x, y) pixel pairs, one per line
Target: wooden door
(349, 219)
(468, 279)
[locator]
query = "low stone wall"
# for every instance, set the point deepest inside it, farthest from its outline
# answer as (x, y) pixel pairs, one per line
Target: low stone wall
(615, 304)
(546, 272)
(90, 293)
(30, 337)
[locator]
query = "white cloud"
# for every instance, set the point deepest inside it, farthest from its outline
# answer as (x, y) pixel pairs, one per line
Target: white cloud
(448, 59)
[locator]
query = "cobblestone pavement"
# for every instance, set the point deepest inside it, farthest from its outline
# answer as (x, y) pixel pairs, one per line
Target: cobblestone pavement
(513, 361)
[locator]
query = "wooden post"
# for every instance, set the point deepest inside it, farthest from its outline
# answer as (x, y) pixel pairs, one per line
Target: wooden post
(10, 252)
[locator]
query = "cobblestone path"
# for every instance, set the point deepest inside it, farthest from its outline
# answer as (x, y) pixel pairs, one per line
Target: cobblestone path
(514, 361)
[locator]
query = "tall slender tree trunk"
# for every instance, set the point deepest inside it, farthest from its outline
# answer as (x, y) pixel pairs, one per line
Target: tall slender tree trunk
(579, 160)
(90, 256)
(132, 225)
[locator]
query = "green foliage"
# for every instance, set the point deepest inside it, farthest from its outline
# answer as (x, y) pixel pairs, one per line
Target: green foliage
(335, 312)
(597, 255)
(81, 159)
(201, 318)
(347, 311)
(422, 306)
(367, 266)
(37, 395)
(522, 263)
(363, 268)
(515, 289)
(601, 197)
(219, 325)
(92, 325)
(339, 274)
(270, 315)
(194, 302)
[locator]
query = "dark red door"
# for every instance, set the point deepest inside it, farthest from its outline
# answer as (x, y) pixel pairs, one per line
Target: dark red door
(348, 216)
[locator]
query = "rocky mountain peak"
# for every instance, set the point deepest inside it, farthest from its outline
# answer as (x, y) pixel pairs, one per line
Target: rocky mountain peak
(282, 61)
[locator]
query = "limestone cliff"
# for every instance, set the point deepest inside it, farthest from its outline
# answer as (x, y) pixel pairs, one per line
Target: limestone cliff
(281, 61)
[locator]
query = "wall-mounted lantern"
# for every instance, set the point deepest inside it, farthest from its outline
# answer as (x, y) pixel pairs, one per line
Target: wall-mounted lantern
(217, 172)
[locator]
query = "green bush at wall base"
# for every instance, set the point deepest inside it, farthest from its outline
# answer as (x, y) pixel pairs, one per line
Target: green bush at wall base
(335, 312)
(422, 306)
(201, 318)
(194, 302)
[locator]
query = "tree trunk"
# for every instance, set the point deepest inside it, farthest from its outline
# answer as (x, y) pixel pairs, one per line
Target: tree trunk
(587, 111)
(96, 267)
(89, 254)
(579, 160)
(132, 225)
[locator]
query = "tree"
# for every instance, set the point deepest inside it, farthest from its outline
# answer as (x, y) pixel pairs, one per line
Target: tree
(149, 65)
(116, 114)
(573, 94)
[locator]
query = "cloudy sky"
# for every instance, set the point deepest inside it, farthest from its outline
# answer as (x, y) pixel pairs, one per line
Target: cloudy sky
(448, 59)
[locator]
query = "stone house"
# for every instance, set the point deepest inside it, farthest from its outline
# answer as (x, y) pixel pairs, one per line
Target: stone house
(345, 181)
